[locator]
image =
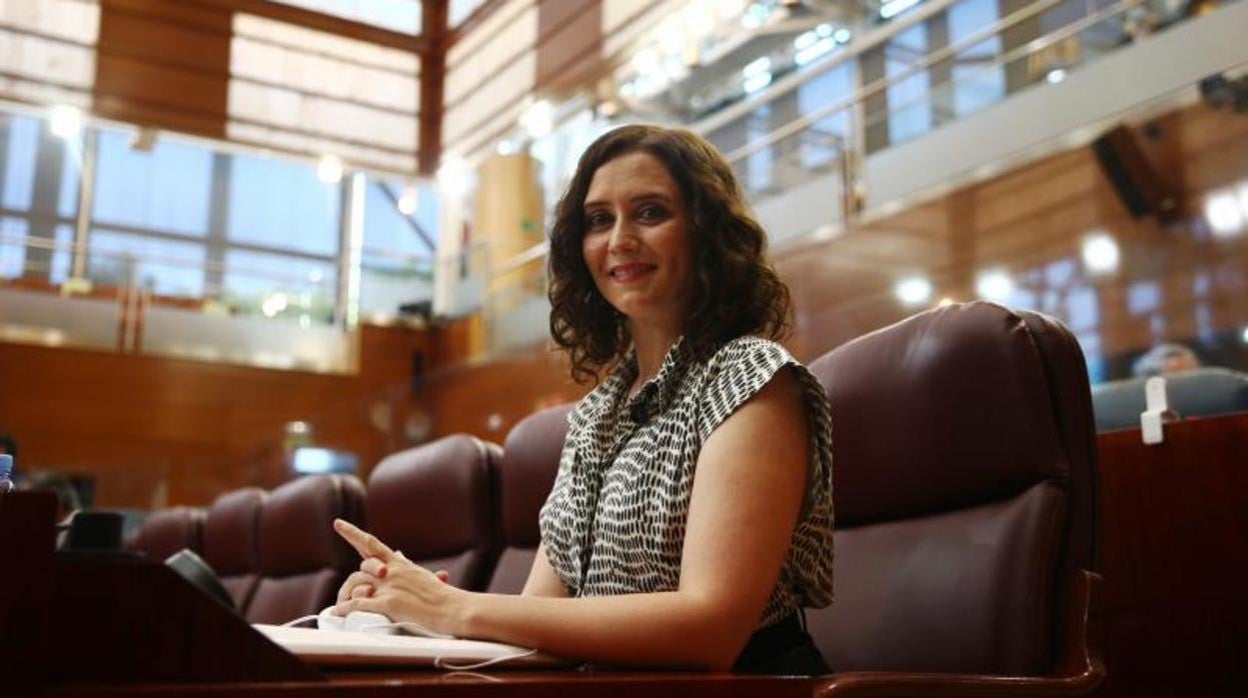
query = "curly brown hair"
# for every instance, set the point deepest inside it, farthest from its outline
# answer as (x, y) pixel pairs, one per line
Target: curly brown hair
(735, 293)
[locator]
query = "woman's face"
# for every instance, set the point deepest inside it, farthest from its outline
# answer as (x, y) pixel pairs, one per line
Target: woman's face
(637, 244)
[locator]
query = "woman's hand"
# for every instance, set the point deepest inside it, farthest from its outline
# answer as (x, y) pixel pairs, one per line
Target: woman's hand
(396, 587)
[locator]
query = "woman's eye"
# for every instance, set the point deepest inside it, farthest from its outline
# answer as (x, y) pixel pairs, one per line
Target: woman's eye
(597, 220)
(651, 213)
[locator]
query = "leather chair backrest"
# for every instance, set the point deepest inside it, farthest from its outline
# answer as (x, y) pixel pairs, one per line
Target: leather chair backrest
(964, 479)
(302, 560)
(524, 478)
(434, 503)
(230, 542)
(1200, 392)
(166, 531)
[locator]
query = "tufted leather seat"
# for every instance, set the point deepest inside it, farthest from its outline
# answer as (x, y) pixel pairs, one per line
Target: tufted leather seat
(230, 542)
(166, 531)
(302, 560)
(524, 478)
(965, 477)
(434, 503)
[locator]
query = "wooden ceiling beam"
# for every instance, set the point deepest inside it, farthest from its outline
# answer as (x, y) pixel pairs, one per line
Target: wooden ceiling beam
(432, 80)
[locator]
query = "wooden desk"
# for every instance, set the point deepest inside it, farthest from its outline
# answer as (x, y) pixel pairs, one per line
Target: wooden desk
(508, 684)
(1174, 556)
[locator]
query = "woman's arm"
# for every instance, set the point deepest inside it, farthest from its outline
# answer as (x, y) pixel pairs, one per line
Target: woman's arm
(746, 496)
(543, 580)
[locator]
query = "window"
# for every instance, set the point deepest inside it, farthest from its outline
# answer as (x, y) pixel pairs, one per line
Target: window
(305, 286)
(977, 81)
(397, 255)
(281, 204)
(164, 267)
(166, 188)
(821, 142)
(909, 110)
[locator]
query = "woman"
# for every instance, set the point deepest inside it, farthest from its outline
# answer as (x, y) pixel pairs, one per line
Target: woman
(658, 277)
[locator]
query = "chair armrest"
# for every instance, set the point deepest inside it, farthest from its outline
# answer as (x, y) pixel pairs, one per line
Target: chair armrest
(1080, 667)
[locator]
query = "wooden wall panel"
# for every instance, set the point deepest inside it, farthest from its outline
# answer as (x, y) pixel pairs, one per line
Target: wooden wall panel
(164, 64)
(569, 54)
(156, 431)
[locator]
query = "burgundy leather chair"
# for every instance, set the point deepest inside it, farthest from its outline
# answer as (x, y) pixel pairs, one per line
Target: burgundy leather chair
(523, 481)
(302, 560)
(166, 531)
(230, 542)
(965, 482)
(434, 503)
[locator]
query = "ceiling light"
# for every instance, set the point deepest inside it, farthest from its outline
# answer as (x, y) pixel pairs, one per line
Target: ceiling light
(805, 40)
(892, 8)
(810, 53)
(539, 119)
(453, 176)
(1055, 76)
(1244, 334)
(945, 302)
(994, 285)
(824, 30)
(842, 35)
(913, 291)
(756, 82)
(408, 200)
(646, 61)
(65, 122)
(756, 67)
(1223, 213)
(329, 169)
(1100, 253)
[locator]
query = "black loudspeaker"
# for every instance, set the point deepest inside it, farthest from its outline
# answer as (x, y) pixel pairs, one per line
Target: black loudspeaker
(1141, 188)
(417, 378)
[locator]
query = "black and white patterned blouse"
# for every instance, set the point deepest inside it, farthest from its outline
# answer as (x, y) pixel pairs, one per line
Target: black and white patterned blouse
(615, 520)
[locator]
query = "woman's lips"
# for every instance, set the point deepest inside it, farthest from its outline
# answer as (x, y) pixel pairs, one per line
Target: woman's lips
(629, 273)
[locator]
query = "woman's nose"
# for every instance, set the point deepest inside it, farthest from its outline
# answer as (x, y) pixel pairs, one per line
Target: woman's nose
(621, 238)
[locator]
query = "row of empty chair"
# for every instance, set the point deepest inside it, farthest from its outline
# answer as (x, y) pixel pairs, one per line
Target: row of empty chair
(965, 485)
(456, 504)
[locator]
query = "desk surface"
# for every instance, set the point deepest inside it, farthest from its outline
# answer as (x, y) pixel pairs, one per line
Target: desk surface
(464, 684)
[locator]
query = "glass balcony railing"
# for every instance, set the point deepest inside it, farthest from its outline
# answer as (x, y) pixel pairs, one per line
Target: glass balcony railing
(118, 238)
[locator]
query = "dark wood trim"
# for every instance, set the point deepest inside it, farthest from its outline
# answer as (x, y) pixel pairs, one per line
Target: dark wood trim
(433, 70)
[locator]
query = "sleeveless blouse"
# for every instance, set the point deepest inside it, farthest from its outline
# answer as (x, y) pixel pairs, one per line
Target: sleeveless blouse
(614, 522)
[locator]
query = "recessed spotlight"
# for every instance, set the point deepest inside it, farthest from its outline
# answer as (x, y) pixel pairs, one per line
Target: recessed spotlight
(913, 291)
(1244, 335)
(539, 119)
(945, 302)
(1223, 213)
(1055, 76)
(995, 285)
(329, 169)
(1100, 253)
(65, 122)
(453, 176)
(408, 200)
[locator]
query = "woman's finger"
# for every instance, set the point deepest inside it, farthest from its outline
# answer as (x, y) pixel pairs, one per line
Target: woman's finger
(372, 604)
(365, 543)
(443, 576)
(354, 580)
(373, 566)
(362, 591)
